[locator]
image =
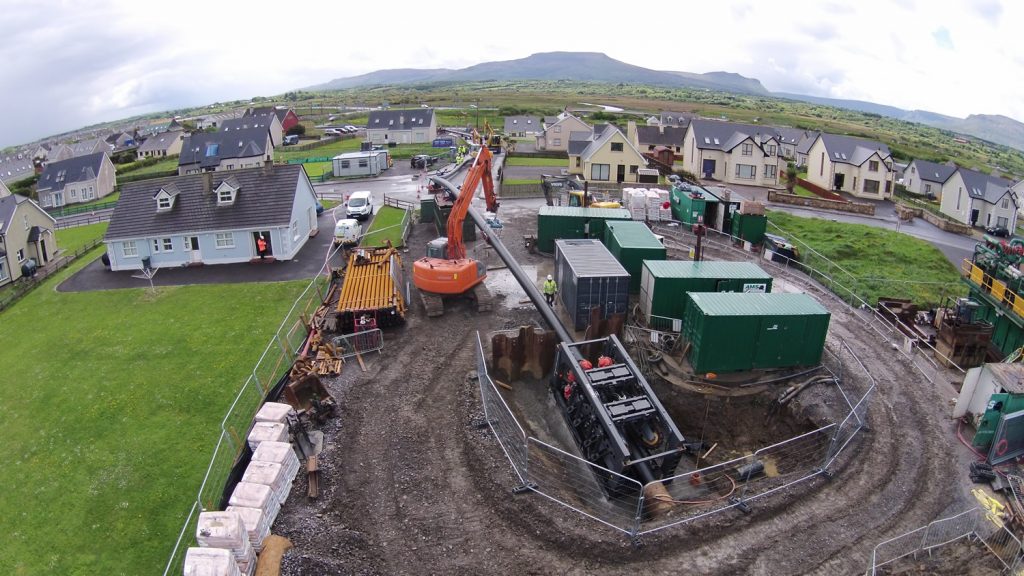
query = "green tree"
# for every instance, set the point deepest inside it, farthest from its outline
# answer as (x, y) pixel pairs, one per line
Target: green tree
(790, 177)
(298, 129)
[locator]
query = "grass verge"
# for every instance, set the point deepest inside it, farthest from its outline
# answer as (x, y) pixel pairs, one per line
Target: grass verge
(387, 225)
(523, 161)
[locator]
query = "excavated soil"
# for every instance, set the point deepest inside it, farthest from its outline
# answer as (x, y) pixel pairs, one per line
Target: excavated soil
(412, 482)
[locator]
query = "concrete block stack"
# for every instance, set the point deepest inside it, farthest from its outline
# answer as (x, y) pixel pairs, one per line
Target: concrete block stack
(269, 474)
(267, 432)
(257, 524)
(225, 530)
(210, 562)
(637, 204)
(260, 496)
(274, 412)
(279, 453)
(653, 204)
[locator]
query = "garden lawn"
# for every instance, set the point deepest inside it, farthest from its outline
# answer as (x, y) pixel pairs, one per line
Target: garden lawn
(72, 239)
(387, 225)
(522, 161)
(880, 262)
(112, 403)
(170, 163)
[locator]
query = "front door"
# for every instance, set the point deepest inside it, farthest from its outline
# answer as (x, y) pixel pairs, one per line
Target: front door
(708, 169)
(974, 217)
(58, 199)
(42, 250)
(192, 247)
(838, 181)
(256, 243)
(620, 173)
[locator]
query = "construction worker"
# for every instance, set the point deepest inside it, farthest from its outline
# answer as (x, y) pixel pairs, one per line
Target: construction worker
(261, 247)
(550, 289)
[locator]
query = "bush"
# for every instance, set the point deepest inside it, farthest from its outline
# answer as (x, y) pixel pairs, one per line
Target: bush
(297, 130)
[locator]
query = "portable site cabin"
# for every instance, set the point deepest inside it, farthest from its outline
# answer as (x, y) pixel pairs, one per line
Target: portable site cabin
(368, 163)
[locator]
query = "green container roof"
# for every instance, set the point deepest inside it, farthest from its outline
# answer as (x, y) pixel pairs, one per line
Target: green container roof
(739, 304)
(689, 269)
(631, 234)
(613, 213)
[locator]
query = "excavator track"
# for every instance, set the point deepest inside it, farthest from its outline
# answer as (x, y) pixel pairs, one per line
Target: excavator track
(433, 303)
(483, 298)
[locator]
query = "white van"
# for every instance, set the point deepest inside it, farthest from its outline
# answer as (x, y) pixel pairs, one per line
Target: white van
(346, 232)
(359, 205)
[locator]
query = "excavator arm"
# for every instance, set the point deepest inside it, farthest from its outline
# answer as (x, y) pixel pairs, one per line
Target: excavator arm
(479, 172)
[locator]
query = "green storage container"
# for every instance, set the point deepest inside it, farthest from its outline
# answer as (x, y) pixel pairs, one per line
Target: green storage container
(441, 213)
(664, 284)
(572, 223)
(749, 227)
(631, 243)
(729, 332)
(689, 203)
(427, 208)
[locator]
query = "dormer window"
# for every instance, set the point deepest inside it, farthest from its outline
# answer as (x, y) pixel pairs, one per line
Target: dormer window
(226, 193)
(165, 198)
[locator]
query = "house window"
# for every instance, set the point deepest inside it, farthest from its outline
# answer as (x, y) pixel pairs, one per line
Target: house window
(225, 240)
(821, 169)
(871, 186)
(163, 203)
(129, 249)
(168, 245)
(74, 194)
(770, 170)
(1002, 221)
(226, 196)
(577, 161)
(1006, 203)
(600, 171)
(558, 129)
(927, 188)
(633, 168)
(746, 171)
(616, 146)
(959, 193)
(747, 149)
(4, 276)
(21, 255)
(913, 170)
(770, 149)
(873, 166)
(558, 142)
(345, 164)
(295, 230)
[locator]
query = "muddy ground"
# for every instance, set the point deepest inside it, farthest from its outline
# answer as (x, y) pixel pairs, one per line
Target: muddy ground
(411, 483)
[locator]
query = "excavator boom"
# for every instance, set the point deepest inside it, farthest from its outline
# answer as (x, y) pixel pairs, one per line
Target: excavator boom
(479, 172)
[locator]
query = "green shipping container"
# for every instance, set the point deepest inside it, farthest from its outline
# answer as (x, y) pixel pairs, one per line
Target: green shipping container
(690, 203)
(427, 208)
(441, 223)
(631, 243)
(749, 227)
(734, 332)
(572, 223)
(664, 284)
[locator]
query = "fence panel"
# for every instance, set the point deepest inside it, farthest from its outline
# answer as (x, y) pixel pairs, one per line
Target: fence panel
(947, 530)
(503, 424)
(789, 462)
(186, 538)
(360, 342)
(895, 548)
(611, 499)
(1001, 542)
(212, 488)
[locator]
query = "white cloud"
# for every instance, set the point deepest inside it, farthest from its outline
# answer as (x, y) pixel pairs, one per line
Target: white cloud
(74, 64)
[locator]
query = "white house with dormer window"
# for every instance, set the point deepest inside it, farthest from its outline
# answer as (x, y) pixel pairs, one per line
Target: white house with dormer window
(415, 126)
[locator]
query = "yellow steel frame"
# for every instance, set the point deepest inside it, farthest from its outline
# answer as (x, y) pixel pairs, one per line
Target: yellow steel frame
(996, 288)
(370, 286)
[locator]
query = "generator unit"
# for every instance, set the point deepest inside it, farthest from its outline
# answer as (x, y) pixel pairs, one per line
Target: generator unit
(615, 418)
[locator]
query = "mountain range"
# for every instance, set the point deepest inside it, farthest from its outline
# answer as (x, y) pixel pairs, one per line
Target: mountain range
(598, 67)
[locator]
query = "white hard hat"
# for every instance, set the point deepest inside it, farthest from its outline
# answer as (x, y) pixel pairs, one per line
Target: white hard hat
(549, 277)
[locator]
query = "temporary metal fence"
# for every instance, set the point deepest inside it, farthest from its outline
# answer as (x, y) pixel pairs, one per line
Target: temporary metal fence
(359, 342)
(973, 524)
(624, 504)
(285, 345)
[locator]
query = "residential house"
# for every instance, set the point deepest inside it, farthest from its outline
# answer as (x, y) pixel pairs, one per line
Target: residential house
(60, 152)
(90, 146)
(14, 167)
(266, 121)
(650, 137)
(414, 126)
(162, 145)
(862, 168)
(794, 144)
(120, 141)
(212, 218)
(76, 180)
(232, 150)
(26, 232)
(680, 119)
(215, 120)
(978, 199)
(605, 155)
(285, 116)
(927, 178)
(555, 136)
(522, 126)
(733, 153)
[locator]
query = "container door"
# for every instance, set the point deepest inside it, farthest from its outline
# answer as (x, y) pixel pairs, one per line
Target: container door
(646, 292)
(778, 342)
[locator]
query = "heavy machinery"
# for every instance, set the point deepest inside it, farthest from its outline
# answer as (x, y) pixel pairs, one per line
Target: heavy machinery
(576, 192)
(994, 275)
(446, 270)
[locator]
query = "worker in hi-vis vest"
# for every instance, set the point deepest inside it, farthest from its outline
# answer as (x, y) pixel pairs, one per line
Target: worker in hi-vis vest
(550, 289)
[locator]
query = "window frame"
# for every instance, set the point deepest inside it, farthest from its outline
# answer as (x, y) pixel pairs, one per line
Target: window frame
(224, 240)
(876, 185)
(607, 170)
(872, 165)
(752, 172)
(134, 253)
(617, 146)
(746, 149)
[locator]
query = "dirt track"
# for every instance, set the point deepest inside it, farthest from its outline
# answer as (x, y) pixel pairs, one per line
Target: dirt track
(412, 484)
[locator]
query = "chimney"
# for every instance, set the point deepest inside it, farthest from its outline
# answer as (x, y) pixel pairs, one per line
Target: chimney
(207, 182)
(268, 167)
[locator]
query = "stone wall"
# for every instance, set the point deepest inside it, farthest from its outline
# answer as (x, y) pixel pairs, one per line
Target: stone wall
(842, 206)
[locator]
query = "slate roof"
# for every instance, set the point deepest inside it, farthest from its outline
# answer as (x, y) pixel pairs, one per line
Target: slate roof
(400, 119)
(246, 122)
(59, 174)
(671, 136)
(790, 136)
(983, 186)
(578, 142)
(263, 200)
(850, 150)
(724, 136)
(281, 113)
(13, 168)
(208, 148)
(681, 119)
(88, 147)
(805, 145)
(161, 141)
(8, 208)
(933, 172)
(522, 124)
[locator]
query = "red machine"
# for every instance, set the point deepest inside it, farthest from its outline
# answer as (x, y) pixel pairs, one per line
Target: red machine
(445, 270)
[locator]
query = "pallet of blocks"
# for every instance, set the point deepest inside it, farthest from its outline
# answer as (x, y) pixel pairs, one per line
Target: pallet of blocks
(638, 204)
(256, 522)
(279, 453)
(269, 474)
(274, 412)
(226, 531)
(210, 562)
(267, 431)
(249, 495)
(655, 199)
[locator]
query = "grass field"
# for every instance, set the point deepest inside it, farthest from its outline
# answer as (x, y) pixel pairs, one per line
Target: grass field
(71, 239)
(387, 225)
(801, 191)
(112, 197)
(521, 161)
(112, 405)
(881, 262)
(513, 181)
(170, 163)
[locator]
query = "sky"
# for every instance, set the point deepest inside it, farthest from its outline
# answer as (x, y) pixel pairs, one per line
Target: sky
(66, 65)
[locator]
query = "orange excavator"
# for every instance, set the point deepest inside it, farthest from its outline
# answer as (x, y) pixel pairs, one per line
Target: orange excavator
(446, 270)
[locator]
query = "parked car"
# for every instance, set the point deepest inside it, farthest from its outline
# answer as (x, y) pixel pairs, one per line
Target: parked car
(291, 139)
(423, 160)
(351, 128)
(333, 132)
(997, 231)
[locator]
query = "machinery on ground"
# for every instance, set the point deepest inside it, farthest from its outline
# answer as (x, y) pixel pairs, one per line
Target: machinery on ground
(575, 190)
(996, 281)
(446, 270)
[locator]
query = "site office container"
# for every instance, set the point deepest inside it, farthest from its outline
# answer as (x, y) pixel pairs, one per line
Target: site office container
(749, 227)
(588, 275)
(664, 284)
(689, 203)
(729, 332)
(554, 222)
(631, 243)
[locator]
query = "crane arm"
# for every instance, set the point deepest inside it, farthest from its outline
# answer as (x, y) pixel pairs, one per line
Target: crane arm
(479, 172)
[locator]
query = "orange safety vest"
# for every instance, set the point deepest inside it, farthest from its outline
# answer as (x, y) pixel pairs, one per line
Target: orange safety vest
(261, 245)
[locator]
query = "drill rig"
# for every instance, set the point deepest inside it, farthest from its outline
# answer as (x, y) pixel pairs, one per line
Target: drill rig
(446, 270)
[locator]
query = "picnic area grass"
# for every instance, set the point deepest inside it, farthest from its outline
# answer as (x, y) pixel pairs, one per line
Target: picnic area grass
(386, 225)
(72, 239)
(523, 161)
(875, 262)
(112, 406)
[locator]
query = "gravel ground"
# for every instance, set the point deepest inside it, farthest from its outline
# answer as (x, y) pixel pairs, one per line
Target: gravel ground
(411, 484)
